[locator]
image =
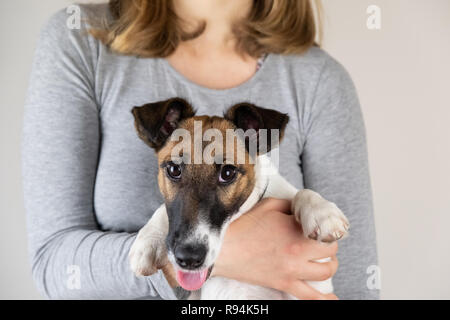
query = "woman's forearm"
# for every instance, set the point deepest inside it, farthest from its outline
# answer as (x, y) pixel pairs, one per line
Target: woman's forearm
(90, 264)
(71, 257)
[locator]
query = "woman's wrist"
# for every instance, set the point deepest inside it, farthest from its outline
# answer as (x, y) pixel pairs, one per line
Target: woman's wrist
(217, 270)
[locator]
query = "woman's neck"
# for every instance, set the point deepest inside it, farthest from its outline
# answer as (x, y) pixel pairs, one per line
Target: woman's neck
(219, 16)
(211, 60)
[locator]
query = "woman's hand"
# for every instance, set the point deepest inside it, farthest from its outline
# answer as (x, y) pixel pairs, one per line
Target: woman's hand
(267, 248)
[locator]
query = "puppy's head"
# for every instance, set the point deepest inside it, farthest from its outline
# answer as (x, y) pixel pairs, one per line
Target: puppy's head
(206, 173)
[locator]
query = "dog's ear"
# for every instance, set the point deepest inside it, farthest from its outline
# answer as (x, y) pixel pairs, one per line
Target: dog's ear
(247, 116)
(156, 121)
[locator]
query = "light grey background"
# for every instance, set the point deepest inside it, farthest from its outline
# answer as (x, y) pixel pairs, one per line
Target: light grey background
(402, 73)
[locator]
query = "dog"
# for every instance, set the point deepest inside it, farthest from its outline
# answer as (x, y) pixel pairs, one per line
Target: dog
(201, 200)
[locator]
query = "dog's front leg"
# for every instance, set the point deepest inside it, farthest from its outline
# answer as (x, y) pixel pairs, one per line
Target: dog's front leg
(321, 219)
(148, 252)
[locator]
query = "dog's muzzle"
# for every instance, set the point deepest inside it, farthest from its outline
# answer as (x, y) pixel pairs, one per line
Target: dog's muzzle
(190, 257)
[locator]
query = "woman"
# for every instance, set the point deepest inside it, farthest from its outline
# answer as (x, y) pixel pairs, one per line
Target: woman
(90, 183)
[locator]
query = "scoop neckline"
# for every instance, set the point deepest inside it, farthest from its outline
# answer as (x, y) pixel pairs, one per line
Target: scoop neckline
(243, 86)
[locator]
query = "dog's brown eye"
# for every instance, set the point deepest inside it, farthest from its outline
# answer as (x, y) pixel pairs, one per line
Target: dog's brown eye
(173, 170)
(227, 174)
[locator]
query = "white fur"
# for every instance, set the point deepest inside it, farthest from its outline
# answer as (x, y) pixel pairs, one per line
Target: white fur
(204, 231)
(318, 217)
(148, 250)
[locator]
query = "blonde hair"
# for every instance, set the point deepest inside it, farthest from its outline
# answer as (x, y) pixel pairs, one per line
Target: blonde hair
(150, 28)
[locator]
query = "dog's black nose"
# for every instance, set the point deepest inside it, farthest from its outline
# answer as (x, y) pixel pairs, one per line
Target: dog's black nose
(190, 256)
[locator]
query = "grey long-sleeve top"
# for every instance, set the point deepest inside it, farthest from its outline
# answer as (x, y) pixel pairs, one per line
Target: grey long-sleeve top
(90, 183)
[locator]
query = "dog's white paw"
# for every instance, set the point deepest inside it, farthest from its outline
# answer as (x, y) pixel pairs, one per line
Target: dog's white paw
(327, 223)
(147, 254)
(321, 220)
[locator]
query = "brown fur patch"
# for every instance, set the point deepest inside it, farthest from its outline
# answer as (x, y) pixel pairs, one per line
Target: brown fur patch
(204, 173)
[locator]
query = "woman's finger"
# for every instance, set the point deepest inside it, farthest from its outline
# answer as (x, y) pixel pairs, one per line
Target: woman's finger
(319, 271)
(301, 290)
(331, 296)
(319, 250)
(313, 249)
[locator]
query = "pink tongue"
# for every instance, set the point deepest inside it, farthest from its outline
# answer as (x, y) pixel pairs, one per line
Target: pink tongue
(192, 280)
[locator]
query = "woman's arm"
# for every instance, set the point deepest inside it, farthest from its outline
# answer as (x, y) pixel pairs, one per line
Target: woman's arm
(335, 164)
(71, 258)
